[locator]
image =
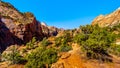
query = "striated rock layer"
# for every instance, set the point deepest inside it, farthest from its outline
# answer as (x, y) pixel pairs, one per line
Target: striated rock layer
(108, 20)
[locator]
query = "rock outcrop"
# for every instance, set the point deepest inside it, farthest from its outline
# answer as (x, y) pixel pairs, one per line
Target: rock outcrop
(108, 20)
(19, 28)
(49, 30)
(10, 33)
(6, 37)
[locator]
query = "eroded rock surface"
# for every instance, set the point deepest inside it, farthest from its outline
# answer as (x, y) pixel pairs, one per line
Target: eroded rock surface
(19, 28)
(108, 20)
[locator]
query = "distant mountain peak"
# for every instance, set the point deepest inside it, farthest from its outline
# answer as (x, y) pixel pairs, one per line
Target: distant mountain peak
(43, 23)
(108, 20)
(118, 8)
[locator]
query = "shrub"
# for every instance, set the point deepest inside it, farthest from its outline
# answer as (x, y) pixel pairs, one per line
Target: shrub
(14, 57)
(24, 50)
(79, 38)
(63, 40)
(31, 44)
(95, 41)
(28, 14)
(114, 49)
(45, 42)
(65, 48)
(41, 57)
(58, 41)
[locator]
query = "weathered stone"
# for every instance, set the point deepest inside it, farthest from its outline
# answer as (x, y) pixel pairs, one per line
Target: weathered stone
(19, 28)
(64, 56)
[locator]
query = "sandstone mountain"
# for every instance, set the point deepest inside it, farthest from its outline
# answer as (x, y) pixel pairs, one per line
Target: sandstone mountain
(108, 20)
(27, 43)
(19, 28)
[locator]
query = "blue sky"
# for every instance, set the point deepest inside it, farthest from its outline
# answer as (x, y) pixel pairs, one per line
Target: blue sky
(66, 14)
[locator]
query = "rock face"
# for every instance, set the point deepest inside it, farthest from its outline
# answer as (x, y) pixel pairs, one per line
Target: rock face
(6, 37)
(19, 28)
(11, 33)
(49, 30)
(108, 20)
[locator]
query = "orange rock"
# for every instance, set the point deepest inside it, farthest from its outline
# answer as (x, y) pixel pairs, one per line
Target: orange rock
(108, 20)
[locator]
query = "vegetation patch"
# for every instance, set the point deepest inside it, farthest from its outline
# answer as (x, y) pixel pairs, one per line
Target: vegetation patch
(41, 58)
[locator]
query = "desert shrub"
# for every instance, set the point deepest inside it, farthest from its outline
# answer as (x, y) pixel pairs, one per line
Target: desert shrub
(95, 41)
(28, 14)
(45, 42)
(68, 36)
(87, 29)
(58, 41)
(115, 28)
(7, 5)
(31, 44)
(115, 49)
(63, 40)
(24, 50)
(41, 57)
(65, 48)
(79, 38)
(13, 56)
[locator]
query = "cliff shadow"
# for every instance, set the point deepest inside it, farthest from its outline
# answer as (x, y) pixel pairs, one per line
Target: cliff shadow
(7, 38)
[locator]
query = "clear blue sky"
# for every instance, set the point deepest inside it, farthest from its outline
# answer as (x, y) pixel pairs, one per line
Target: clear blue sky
(66, 13)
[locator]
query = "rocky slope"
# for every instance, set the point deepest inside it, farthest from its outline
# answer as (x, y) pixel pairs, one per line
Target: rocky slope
(19, 28)
(108, 20)
(76, 59)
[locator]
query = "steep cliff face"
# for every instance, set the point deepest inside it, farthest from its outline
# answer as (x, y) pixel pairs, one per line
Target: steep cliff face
(5, 36)
(19, 28)
(10, 33)
(108, 20)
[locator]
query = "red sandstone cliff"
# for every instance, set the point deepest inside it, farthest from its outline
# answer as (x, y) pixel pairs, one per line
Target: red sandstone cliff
(19, 28)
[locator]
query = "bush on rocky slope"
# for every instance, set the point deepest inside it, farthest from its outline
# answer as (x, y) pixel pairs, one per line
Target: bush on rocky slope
(95, 41)
(41, 57)
(45, 42)
(13, 56)
(31, 44)
(65, 48)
